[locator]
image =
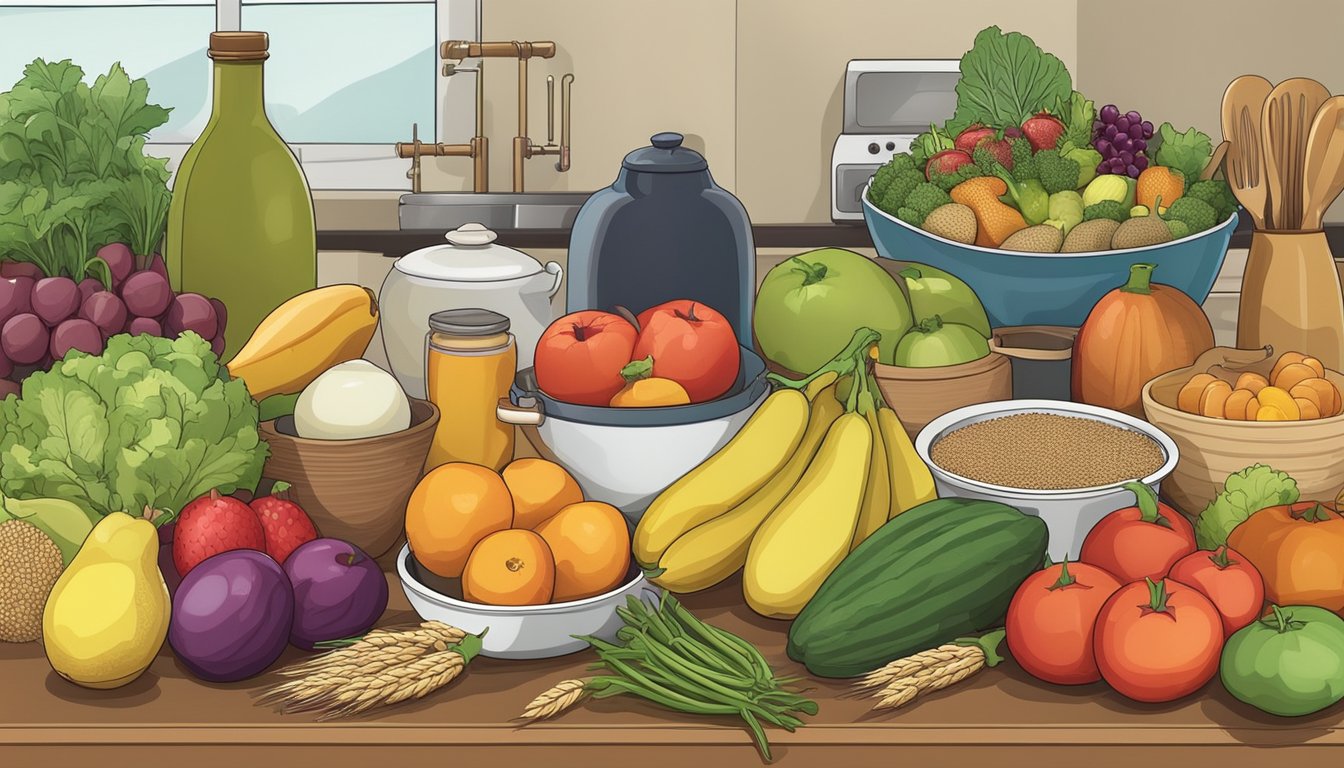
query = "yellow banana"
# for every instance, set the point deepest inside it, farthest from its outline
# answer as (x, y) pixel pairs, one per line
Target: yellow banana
(754, 455)
(911, 481)
(803, 540)
(877, 488)
(713, 551)
(305, 336)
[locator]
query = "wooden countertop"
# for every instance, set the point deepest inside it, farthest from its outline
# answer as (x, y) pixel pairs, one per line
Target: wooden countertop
(999, 718)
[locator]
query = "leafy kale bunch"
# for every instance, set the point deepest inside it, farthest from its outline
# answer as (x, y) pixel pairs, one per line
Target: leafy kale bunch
(151, 422)
(73, 173)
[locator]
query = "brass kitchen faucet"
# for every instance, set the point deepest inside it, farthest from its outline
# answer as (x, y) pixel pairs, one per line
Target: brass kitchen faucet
(454, 51)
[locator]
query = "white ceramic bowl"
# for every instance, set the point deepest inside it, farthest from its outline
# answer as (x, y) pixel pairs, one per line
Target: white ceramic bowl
(520, 632)
(1068, 514)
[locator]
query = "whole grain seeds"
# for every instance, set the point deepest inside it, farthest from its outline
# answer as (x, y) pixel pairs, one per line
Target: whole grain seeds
(1047, 451)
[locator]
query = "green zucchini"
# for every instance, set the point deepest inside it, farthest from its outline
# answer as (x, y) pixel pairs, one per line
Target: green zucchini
(941, 570)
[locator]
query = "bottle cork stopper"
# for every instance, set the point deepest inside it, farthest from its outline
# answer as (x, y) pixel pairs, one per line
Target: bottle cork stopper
(238, 46)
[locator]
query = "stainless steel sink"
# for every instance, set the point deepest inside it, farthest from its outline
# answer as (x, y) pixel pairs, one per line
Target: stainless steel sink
(443, 211)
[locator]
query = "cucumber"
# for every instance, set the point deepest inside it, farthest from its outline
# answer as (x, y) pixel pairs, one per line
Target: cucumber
(941, 570)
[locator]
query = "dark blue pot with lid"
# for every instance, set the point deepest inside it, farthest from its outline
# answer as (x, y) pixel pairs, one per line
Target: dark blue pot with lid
(663, 231)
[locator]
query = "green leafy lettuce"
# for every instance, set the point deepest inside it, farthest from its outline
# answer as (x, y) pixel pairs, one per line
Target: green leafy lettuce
(150, 422)
(1244, 493)
(1006, 78)
(73, 173)
(1187, 152)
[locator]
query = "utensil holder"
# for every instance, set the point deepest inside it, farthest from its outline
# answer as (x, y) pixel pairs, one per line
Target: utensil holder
(1291, 297)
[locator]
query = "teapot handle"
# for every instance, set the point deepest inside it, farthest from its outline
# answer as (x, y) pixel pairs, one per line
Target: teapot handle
(559, 272)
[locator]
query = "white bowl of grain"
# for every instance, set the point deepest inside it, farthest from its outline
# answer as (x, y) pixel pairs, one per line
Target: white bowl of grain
(1067, 463)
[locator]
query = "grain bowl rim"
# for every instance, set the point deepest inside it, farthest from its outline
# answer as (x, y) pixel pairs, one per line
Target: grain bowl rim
(953, 420)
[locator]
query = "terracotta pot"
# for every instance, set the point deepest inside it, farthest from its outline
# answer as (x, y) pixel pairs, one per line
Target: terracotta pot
(354, 490)
(920, 395)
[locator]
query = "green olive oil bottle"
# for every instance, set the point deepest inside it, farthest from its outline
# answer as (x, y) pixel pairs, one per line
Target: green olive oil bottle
(241, 224)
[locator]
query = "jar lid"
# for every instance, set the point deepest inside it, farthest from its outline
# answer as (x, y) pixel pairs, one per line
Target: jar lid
(238, 46)
(665, 156)
(469, 257)
(468, 322)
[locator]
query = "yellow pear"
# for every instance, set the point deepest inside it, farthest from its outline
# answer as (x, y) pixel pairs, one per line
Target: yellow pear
(107, 616)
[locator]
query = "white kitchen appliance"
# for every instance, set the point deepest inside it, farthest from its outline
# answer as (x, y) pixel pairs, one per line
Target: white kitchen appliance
(888, 102)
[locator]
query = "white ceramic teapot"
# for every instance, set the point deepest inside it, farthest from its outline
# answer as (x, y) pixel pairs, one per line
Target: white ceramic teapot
(470, 271)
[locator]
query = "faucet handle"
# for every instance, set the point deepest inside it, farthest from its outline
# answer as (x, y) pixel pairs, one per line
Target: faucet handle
(566, 82)
(550, 110)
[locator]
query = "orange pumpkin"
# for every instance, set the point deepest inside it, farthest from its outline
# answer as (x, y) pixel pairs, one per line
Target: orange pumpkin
(1299, 550)
(1135, 333)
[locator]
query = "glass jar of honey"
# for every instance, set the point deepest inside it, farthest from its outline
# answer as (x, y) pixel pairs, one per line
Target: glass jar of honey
(470, 361)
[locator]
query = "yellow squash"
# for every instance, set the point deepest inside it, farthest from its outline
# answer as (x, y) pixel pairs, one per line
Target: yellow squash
(711, 552)
(911, 481)
(754, 455)
(803, 540)
(877, 488)
(304, 337)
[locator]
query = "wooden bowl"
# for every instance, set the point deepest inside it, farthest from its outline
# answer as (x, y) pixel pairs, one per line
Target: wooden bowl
(355, 490)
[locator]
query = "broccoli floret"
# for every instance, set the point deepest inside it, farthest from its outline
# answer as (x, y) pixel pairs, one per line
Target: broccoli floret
(986, 159)
(899, 188)
(1217, 194)
(924, 198)
(1197, 214)
(1057, 173)
(946, 181)
(1178, 229)
(1106, 209)
(910, 216)
(881, 180)
(1024, 162)
(902, 162)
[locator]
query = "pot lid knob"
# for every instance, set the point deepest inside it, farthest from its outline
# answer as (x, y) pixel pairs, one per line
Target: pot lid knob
(668, 140)
(471, 234)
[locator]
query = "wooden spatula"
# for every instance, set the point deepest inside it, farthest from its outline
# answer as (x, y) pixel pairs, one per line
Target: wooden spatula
(1285, 125)
(1323, 169)
(1242, 103)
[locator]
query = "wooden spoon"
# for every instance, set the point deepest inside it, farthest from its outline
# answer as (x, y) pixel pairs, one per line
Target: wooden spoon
(1285, 125)
(1323, 169)
(1242, 104)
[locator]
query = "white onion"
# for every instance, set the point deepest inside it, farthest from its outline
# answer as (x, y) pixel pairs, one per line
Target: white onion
(350, 401)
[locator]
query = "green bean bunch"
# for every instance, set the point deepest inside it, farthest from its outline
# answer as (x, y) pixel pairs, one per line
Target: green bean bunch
(671, 658)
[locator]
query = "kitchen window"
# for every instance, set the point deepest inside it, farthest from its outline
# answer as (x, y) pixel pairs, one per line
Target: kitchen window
(344, 82)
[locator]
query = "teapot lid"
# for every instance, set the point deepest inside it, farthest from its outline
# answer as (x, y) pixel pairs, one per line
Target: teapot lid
(665, 156)
(469, 257)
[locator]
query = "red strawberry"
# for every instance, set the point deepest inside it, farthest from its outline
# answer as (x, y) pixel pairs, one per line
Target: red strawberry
(971, 136)
(285, 524)
(945, 162)
(1043, 130)
(213, 524)
(1000, 149)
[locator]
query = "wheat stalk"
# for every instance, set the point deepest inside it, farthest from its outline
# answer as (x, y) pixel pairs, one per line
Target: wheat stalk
(552, 702)
(904, 680)
(385, 667)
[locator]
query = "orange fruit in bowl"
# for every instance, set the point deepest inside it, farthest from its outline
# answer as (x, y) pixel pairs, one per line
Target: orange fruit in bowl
(591, 545)
(512, 567)
(451, 509)
(540, 488)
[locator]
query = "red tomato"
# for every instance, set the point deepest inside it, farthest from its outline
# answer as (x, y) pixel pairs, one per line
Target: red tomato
(580, 356)
(691, 344)
(1141, 542)
(1052, 619)
(1158, 641)
(1230, 582)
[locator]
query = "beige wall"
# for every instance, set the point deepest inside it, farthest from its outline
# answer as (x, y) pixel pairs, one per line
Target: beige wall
(757, 84)
(1204, 45)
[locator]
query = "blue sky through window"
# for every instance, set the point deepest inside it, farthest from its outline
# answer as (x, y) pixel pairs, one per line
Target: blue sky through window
(338, 73)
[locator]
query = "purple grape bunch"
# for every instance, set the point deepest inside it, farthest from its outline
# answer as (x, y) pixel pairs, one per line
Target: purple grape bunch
(43, 318)
(1122, 141)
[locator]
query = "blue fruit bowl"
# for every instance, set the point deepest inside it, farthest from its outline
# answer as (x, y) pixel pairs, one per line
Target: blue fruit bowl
(1051, 288)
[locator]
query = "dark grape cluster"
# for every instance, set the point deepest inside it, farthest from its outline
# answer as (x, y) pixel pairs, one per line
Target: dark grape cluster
(43, 318)
(1121, 140)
